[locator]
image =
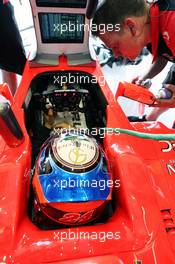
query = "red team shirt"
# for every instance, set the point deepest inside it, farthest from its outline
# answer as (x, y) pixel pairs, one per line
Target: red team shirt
(163, 29)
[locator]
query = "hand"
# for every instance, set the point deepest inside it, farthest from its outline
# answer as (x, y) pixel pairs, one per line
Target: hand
(137, 80)
(141, 81)
(167, 102)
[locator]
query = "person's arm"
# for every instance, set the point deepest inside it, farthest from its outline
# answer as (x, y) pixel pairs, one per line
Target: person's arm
(155, 69)
(169, 83)
(168, 102)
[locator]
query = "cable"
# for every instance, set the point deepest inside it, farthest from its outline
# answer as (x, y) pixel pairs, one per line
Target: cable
(141, 134)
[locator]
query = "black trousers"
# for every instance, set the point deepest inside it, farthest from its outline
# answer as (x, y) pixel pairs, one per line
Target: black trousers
(12, 54)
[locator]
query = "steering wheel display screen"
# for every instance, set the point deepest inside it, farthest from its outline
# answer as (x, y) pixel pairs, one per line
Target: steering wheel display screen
(62, 28)
(62, 3)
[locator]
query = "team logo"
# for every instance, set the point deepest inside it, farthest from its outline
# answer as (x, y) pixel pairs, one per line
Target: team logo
(76, 151)
(77, 156)
(168, 146)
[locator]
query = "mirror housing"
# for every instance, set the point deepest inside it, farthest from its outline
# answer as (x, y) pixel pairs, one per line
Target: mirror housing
(136, 93)
(6, 92)
(10, 130)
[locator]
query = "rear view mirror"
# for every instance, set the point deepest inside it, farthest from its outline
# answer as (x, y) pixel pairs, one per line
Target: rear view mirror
(136, 93)
(10, 129)
(6, 92)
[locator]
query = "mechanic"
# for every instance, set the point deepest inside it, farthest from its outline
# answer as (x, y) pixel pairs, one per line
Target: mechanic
(141, 24)
(12, 54)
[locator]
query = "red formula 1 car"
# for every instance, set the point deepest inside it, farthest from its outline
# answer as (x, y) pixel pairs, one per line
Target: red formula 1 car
(79, 183)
